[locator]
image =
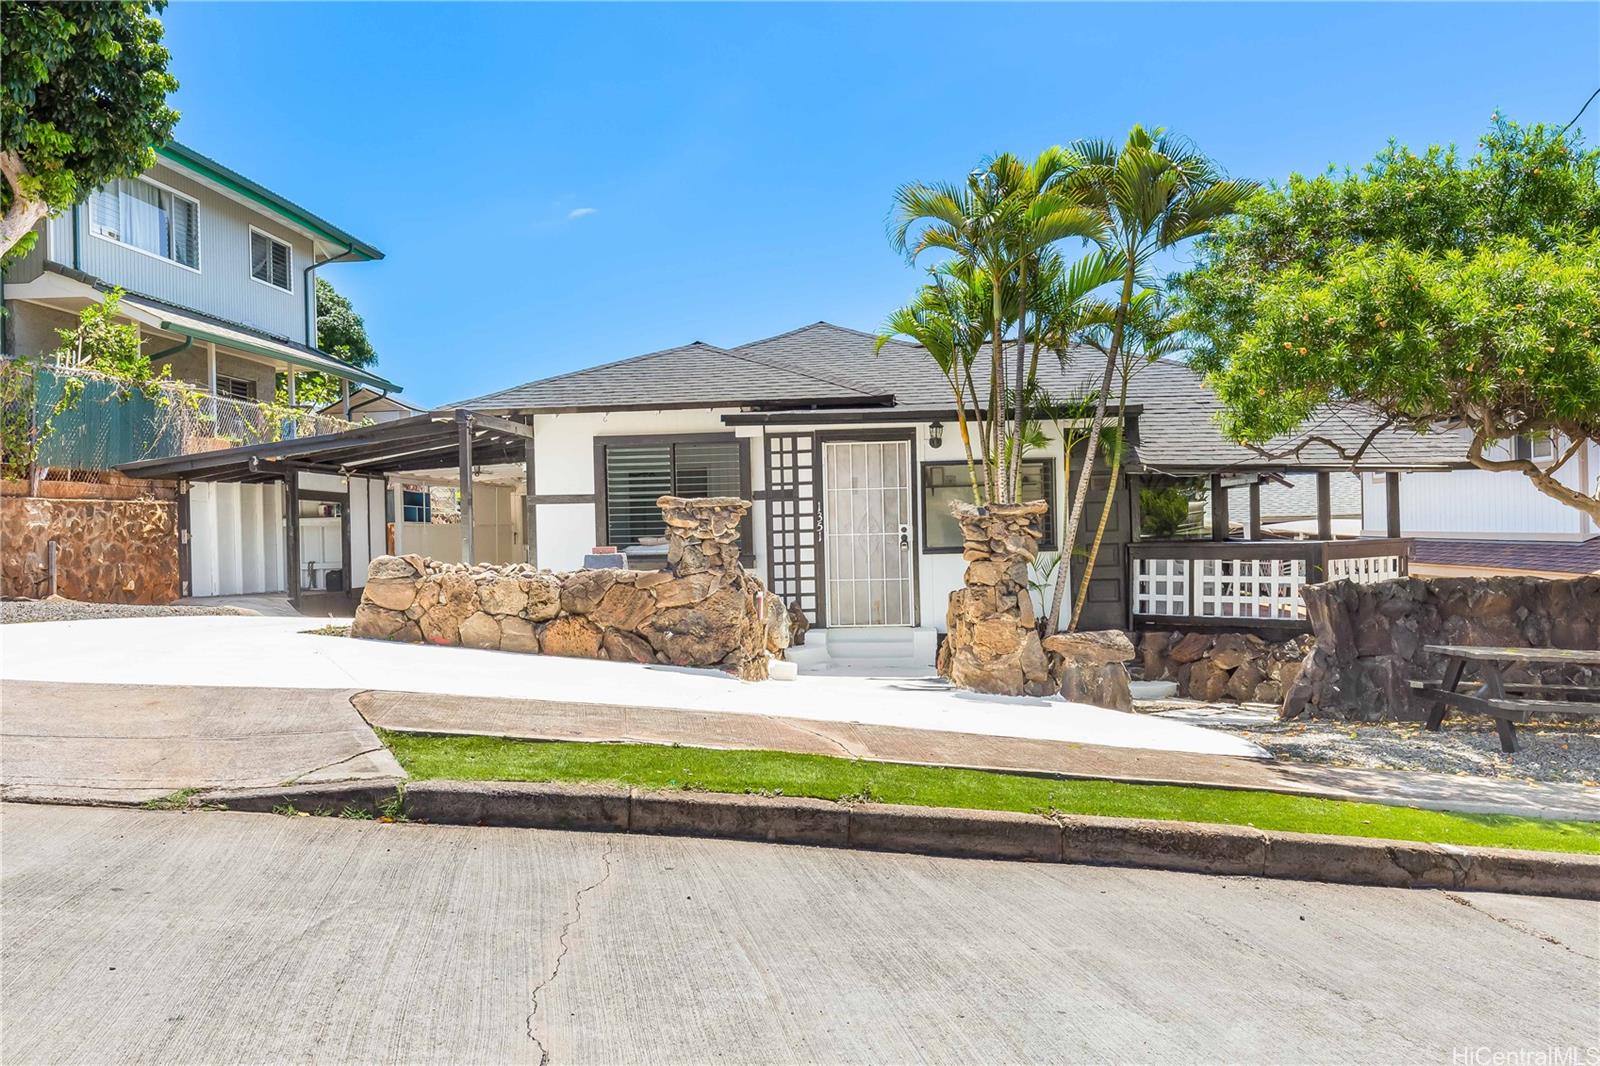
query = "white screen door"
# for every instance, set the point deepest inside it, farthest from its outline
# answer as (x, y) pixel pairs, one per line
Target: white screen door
(868, 525)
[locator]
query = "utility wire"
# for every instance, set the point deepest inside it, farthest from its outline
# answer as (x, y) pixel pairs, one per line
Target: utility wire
(1581, 110)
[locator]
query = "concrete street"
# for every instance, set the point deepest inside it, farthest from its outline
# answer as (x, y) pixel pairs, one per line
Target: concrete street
(141, 937)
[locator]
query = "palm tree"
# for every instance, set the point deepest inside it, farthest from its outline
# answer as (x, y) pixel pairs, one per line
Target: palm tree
(1067, 307)
(998, 222)
(1150, 333)
(1153, 192)
(947, 319)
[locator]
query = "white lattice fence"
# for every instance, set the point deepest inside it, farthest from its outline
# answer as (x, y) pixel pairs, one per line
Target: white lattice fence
(1365, 569)
(1161, 587)
(1249, 588)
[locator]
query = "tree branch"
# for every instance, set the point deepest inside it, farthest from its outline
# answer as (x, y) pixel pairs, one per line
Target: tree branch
(1349, 456)
(25, 211)
(1542, 479)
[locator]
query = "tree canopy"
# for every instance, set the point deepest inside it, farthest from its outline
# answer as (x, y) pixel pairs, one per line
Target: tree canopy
(340, 330)
(83, 98)
(1440, 292)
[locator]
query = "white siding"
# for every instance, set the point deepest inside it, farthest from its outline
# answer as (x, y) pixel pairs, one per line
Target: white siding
(235, 539)
(223, 286)
(564, 466)
(494, 529)
(1479, 504)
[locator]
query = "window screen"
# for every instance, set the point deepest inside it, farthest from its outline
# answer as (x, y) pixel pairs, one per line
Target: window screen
(637, 474)
(134, 212)
(269, 260)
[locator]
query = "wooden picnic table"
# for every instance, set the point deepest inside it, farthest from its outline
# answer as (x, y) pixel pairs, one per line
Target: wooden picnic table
(1506, 702)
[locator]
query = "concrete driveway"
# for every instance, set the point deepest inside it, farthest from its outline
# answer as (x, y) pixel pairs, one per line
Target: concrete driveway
(161, 937)
(130, 743)
(283, 652)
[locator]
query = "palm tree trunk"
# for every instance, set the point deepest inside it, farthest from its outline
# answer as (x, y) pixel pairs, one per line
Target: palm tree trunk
(997, 359)
(983, 431)
(1080, 497)
(1019, 406)
(961, 423)
(1065, 551)
(1100, 530)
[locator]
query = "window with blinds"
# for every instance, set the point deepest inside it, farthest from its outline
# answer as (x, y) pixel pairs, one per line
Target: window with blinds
(236, 388)
(145, 216)
(270, 261)
(637, 474)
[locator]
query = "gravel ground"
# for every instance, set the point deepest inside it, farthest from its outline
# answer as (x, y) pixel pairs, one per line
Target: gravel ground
(60, 609)
(1551, 751)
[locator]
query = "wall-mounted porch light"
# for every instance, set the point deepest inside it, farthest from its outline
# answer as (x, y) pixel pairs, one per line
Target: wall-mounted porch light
(935, 434)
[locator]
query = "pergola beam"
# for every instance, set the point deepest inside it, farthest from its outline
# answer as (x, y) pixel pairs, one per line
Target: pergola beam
(1324, 505)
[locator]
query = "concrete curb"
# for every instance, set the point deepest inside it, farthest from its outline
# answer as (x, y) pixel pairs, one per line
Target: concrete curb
(368, 797)
(1192, 847)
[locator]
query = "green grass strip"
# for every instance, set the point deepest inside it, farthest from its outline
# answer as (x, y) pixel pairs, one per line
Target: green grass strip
(826, 777)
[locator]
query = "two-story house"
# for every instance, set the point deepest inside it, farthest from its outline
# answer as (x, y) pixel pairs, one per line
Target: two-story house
(217, 273)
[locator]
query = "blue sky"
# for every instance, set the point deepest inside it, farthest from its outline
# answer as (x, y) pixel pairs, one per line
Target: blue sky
(557, 186)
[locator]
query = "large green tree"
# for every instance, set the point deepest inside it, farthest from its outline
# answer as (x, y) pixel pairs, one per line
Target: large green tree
(342, 333)
(1441, 292)
(83, 97)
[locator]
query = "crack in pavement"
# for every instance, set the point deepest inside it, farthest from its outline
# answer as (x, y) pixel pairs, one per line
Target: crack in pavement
(835, 741)
(1511, 923)
(561, 955)
(297, 778)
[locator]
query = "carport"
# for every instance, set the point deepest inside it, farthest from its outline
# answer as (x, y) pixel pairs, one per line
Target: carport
(436, 440)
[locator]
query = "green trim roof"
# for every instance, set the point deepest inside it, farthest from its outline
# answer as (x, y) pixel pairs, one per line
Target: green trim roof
(208, 168)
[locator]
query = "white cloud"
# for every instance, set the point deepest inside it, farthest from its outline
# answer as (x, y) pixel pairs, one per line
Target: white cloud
(580, 212)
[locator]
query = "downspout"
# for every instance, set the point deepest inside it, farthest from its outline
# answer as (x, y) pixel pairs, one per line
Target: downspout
(311, 308)
(311, 294)
(311, 298)
(77, 252)
(384, 395)
(174, 350)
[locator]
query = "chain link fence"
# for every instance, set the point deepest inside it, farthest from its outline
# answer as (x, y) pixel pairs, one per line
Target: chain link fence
(77, 424)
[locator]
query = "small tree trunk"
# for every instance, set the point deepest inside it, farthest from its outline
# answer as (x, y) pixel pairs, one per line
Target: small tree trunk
(1099, 535)
(1019, 404)
(1065, 551)
(1001, 492)
(1113, 356)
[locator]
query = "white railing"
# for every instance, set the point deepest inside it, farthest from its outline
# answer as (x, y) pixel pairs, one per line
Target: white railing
(1251, 582)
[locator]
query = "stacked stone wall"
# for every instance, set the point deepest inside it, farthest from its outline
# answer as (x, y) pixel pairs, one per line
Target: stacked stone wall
(107, 550)
(1223, 667)
(703, 610)
(1370, 639)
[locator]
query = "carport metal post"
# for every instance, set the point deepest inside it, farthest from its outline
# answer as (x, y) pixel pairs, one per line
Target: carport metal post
(464, 461)
(291, 533)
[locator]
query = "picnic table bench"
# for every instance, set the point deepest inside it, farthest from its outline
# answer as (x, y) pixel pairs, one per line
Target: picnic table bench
(1506, 702)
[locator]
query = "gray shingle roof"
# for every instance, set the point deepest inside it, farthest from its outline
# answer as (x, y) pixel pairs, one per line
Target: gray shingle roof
(838, 367)
(1582, 557)
(694, 375)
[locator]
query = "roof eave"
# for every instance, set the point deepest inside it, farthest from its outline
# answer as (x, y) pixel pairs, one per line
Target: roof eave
(237, 183)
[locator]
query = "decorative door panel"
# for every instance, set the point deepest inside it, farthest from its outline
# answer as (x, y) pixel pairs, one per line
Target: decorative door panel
(868, 524)
(793, 518)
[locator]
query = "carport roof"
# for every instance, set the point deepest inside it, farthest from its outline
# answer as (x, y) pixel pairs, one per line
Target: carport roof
(428, 441)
